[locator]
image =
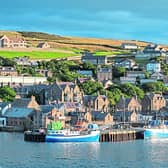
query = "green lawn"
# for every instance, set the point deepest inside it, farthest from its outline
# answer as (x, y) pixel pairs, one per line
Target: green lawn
(36, 54)
(100, 53)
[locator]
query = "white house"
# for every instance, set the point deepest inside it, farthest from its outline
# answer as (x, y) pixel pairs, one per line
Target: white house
(24, 80)
(131, 80)
(151, 51)
(134, 74)
(12, 42)
(129, 46)
(153, 67)
(142, 81)
(126, 63)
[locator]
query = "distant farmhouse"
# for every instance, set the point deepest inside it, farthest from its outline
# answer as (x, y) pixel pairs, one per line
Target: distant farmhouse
(43, 45)
(17, 42)
(129, 46)
(96, 60)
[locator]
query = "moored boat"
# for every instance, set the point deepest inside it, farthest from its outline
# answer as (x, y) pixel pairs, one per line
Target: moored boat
(91, 135)
(156, 131)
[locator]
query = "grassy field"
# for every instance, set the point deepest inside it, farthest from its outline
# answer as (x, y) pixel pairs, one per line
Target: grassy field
(100, 53)
(36, 54)
(77, 43)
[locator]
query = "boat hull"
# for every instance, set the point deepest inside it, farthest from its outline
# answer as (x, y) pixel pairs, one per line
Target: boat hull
(79, 138)
(155, 133)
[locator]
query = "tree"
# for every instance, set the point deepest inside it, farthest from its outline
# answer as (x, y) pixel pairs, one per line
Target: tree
(164, 68)
(89, 66)
(154, 87)
(114, 95)
(130, 90)
(92, 87)
(7, 93)
(118, 72)
(7, 62)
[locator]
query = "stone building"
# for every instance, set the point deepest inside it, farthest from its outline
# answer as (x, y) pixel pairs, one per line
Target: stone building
(23, 114)
(61, 92)
(104, 74)
(98, 117)
(96, 103)
(129, 104)
(153, 102)
(125, 117)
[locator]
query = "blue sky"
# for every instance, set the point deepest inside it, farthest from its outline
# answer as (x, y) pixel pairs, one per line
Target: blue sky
(122, 19)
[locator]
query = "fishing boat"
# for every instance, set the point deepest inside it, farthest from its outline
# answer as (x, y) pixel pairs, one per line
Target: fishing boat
(156, 130)
(90, 135)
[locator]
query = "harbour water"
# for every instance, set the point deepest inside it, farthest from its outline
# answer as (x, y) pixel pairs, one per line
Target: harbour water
(16, 153)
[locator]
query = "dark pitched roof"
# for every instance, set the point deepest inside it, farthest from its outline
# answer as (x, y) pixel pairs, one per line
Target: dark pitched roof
(91, 57)
(23, 102)
(88, 98)
(122, 113)
(64, 84)
(98, 116)
(130, 44)
(31, 88)
(40, 45)
(71, 105)
(19, 112)
(104, 70)
(3, 104)
(46, 108)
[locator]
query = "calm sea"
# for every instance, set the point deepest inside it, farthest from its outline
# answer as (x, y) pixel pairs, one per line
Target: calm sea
(15, 153)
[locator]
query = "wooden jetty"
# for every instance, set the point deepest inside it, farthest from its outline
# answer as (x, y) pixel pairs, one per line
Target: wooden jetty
(34, 137)
(120, 135)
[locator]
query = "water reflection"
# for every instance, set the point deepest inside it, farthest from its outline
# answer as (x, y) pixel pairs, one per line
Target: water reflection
(17, 153)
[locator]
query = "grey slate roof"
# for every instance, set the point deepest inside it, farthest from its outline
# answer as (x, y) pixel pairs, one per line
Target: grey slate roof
(18, 112)
(88, 98)
(62, 85)
(130, 44)
(85, 72)
(46, 108)
(104, 70)
(3, 104)
(21, 102)
(98, 115)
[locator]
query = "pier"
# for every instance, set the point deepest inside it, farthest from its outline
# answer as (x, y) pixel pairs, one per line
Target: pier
(105, 136)
(120, 135)
(34, 137)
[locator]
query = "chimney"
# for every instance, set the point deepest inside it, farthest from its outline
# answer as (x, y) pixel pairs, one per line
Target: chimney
(17, 97)
(33, 98)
